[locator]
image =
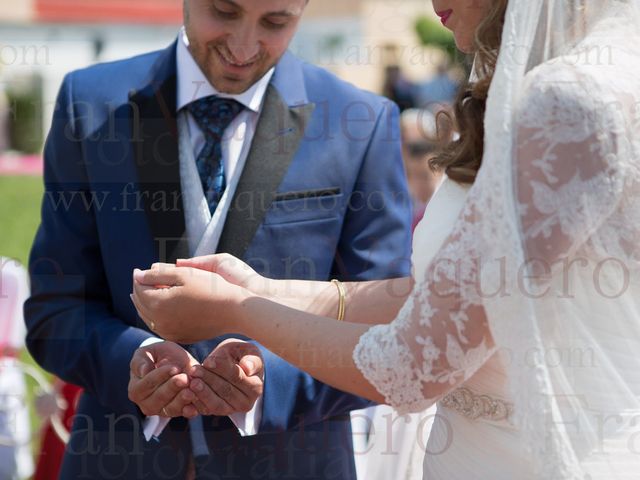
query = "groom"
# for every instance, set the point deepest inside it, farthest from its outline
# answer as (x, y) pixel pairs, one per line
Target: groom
(222, 142)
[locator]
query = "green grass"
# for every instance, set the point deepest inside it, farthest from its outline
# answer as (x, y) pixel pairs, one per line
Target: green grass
(19, 215)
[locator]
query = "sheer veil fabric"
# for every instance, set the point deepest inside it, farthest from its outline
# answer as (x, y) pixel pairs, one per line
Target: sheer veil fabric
(542, 268)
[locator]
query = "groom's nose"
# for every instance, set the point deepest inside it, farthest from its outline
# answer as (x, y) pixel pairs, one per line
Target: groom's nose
(243, 43)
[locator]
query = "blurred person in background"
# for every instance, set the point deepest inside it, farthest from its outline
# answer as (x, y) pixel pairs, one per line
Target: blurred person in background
(437, 91)
(419, 143)
(15, 452)
(398, 88)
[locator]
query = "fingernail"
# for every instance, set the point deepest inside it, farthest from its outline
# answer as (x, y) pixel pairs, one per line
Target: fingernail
(174, 371)
(138, 275)
(249, 365)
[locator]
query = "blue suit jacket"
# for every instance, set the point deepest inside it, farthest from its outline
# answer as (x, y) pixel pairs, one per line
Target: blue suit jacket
(323, 195)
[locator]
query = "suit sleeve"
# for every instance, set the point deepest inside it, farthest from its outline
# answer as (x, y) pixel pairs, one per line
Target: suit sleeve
(71, 329)
(375, 243)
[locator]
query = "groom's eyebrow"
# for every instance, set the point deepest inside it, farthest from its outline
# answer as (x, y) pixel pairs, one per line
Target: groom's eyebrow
(278, 13)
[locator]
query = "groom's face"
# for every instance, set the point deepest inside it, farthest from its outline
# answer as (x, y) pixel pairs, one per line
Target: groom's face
(235, 42)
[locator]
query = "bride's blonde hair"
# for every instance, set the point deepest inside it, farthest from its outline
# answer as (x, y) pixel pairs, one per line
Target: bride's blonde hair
(461, 159)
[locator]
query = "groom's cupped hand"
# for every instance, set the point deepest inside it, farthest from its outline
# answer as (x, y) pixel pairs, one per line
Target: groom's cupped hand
(159, 380)
(230, 380)
(166, 380)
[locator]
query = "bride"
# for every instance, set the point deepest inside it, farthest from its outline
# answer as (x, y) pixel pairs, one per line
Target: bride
(522, 319)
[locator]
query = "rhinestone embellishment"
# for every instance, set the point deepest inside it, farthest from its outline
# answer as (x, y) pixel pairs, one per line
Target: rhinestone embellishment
(474, 406)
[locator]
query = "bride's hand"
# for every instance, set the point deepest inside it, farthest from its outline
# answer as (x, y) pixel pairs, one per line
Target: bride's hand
(233, 270)
(185, 305)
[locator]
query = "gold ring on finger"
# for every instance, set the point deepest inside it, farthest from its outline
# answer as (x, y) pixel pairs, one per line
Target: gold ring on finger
(164, 412)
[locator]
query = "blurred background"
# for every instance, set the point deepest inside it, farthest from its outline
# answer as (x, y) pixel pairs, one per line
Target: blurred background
(393, 47)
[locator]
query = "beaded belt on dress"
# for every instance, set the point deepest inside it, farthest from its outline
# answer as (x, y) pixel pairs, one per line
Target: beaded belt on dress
(474, 406)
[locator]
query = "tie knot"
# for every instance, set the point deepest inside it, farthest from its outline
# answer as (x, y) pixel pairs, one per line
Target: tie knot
(214, 114)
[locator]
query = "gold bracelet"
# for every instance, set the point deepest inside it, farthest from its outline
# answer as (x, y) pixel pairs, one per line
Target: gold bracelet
(342, 294)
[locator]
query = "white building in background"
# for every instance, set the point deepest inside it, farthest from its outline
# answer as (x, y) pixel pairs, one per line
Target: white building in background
(49, 51)
(358, 38)
(47, 38)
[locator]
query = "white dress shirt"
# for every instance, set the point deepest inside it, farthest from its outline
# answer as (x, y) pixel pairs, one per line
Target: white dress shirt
(204, 230)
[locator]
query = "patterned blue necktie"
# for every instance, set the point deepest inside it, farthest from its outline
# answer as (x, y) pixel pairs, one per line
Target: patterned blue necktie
(213, 115)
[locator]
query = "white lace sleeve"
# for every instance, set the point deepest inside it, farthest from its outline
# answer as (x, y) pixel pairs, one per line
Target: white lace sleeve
(434, 344)
(572, 182)
(567, 183)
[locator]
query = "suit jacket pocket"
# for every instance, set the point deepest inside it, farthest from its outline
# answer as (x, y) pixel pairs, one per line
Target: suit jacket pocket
(304, 206)
(322, 192)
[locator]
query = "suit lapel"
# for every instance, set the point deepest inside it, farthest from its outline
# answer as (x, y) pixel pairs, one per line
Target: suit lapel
(278, 135)
(155, 141)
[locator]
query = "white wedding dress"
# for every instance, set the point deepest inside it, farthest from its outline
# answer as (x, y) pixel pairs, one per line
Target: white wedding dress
(523, 325)
(460, 443)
